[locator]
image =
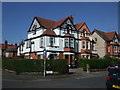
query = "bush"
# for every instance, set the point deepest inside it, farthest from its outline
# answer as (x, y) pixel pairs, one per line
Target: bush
(28, 65)
(96, 63)
(59, 65)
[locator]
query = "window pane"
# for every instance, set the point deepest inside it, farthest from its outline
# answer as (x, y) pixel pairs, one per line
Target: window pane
(72, 43)
(83, 44)
(51, 41)
(66, 42)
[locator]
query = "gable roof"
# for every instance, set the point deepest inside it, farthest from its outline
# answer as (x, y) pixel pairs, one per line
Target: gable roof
(106, 36)
(45, 22)
(49, 32)
(49, 24)
(110, 35)
(79, 25)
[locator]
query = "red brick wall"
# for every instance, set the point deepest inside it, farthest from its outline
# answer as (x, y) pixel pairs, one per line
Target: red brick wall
(61, 56)
(33, 55)
(69, 49)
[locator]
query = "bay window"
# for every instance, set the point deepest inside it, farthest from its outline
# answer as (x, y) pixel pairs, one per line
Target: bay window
(66, 42)
(41, 42)
(51, 41)
(83, 44)
(72, 43)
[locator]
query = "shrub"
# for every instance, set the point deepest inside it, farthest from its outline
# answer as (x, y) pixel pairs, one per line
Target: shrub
(28, 65)
(94, 63)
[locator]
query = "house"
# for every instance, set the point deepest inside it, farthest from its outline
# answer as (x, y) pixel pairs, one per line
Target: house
(61, 39)
(8, 50)
(107, 43)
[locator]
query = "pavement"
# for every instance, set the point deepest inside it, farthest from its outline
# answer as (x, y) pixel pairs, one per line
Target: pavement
(36, 76)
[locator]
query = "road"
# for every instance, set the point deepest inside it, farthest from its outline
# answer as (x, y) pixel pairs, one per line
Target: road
(92, 82)
(75, 81)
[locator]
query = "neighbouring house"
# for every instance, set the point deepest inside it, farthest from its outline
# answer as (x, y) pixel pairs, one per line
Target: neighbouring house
(119, 37)
(8, 50)
(107, 43)
(62, 39)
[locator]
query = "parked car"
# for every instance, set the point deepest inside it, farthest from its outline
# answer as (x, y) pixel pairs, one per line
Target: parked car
(115, 65)
(113, 79)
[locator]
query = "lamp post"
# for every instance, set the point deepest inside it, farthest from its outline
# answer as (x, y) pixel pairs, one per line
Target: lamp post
(44, 54)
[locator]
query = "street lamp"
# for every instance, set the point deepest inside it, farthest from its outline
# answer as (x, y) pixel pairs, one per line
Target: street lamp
(44, 54)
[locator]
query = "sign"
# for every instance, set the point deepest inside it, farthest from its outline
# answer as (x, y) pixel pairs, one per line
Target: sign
(44, 52)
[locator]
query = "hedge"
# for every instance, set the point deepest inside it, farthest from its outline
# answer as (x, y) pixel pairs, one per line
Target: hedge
(28, 65)
(96, 63)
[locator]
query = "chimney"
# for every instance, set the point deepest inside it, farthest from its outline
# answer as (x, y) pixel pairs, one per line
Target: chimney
(6, 44)
(15, 44)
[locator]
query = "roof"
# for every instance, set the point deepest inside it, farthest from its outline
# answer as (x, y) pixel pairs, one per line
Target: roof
(3, 46)
(71, 35)
(110, 35)
(45, 22)
(49, 24)
(119, 36)
(49, 32)
(106, 36)
(79, 25)
(85, 38)
(11, 50)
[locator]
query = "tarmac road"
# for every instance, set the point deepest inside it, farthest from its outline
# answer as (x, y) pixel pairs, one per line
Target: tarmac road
(76, 80)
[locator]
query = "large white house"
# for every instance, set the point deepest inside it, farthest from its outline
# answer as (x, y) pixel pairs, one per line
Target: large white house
(61, 39)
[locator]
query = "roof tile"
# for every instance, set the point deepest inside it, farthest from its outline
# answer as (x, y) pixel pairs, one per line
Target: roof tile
(49, 32)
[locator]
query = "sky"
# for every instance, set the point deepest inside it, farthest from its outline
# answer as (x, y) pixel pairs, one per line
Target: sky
(18, 16)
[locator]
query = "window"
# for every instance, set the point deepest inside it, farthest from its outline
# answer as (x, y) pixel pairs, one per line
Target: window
(115, 48)
(72, 43)
(41, 44)
(86, 45)
(73, 31)
(84, 32)
(51, 41)
(66, 42)
(34, 27)
(83, 44)
(34, 32)
(83, 56)
(68, 27)
(28, 44)
(95, 39)
(108, 48)
(39, 56)
(21, 47)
